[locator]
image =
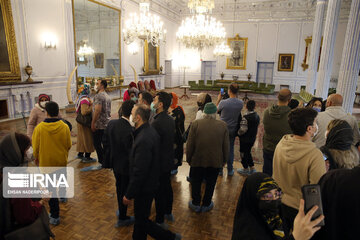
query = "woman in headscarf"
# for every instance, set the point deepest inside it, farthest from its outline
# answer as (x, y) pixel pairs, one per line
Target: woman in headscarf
(37, 114)
(152, 85)
(340, 195)
(257, 213)
(16, 212)
(339, 150)
(126, 97)
(179, 116)
(315, 103)
(202, 99)
(84, 137)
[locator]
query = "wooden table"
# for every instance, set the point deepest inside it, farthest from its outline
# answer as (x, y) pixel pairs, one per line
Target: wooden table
(185, 95)
(246, 91)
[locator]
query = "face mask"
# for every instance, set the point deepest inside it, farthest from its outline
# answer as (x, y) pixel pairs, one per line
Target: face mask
(269, 207)
(131, 120)
(42, 104)
(28, 156)
(317, 130)
(152, 107)
(317, 109)
(134, 99)
(96, 88)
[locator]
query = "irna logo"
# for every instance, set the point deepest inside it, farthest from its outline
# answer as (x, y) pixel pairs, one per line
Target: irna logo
(35, 180)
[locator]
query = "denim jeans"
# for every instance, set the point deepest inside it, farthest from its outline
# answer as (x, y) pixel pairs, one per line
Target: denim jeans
(232, 136)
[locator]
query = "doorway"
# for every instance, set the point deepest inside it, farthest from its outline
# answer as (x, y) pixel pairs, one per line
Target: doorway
(208, 69)
(265, 72)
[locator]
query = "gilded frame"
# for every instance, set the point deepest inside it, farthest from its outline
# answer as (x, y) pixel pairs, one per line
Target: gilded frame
(147, 70)
(121, 77)
(305, 63)
(98, 60)
(14, 74)
(282, 58)
(242, 64)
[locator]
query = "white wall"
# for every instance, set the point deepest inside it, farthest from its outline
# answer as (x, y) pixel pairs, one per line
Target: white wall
(33, 19)
(265, 42)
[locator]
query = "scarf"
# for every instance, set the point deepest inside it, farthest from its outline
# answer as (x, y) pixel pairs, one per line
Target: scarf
(175, 100)
(84, 92)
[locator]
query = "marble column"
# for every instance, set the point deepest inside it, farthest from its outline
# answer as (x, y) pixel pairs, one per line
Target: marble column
(327, 52)
(350, 61)
(315, 46)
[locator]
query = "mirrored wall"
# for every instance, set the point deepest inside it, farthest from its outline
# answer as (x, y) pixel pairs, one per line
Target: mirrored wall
(97, 42)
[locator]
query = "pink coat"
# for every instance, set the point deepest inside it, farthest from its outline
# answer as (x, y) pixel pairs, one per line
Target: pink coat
(37, 115)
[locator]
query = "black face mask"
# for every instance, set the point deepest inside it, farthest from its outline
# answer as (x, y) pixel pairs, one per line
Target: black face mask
(269, 207)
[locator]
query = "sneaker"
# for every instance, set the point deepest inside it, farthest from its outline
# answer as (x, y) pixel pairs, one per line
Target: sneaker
(54, 221)
(174, 172)
(231, 173)
(252, 171)
(221, 172)
(177, 236)
(208, 208)
(88, 160)
(244, 171)
(163, 225)
(125, 222)
(193, 207)
(169, 217)
(63, 200)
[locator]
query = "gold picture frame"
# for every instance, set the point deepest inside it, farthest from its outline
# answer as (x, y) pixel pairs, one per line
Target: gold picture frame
(151, 59)
(286, 62)
(9, 60)
(99, 60)
(238, 46)
(305, 63)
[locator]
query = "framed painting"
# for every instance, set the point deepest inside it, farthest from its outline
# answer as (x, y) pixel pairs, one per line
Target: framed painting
(237, 60)
(9, 61)
(286, 62)
(151, 59)
(99, 60)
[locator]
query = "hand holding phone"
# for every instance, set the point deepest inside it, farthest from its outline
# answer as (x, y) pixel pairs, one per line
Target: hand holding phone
(312, 197)
(222, 91)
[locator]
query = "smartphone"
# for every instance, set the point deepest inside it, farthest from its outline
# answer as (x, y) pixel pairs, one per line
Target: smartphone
(222, 91)
(312, 196)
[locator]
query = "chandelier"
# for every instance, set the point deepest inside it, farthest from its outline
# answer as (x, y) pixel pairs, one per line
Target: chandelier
(146, 26)
(85, 50)
(222, 50)
(200, 31)
(201, 6)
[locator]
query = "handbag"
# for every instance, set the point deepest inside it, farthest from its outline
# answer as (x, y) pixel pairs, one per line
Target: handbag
(39, 229)
(84, 120)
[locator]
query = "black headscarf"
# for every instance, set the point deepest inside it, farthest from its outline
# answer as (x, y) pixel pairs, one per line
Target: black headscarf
(340, 137)
(249, 223)
(340, 194)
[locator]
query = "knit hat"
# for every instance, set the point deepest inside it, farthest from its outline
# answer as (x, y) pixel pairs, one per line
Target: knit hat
(210, 108)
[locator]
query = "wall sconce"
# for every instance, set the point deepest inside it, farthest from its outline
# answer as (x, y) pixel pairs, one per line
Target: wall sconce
(49, 41)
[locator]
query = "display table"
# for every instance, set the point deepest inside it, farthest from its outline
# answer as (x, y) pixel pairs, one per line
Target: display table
(246, 91)
(185, 94)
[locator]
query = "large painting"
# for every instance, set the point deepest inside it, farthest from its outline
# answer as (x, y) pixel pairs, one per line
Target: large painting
(237, 60)
(151, 59)
(9, 62)
(99, 60)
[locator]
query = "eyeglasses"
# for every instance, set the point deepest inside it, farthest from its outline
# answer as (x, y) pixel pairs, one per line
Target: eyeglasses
(271, 196)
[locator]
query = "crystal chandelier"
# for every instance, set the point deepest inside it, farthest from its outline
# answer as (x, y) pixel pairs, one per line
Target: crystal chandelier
(85, 50)
(201, 6)
(222, 50)
(200, 31)
(146, 26)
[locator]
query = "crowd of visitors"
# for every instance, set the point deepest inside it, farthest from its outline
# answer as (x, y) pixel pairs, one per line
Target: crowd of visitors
(144, 147)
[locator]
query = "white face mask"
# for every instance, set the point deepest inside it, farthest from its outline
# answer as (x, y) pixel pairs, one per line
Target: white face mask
(131, 119)
(28, 156)
(96, 88)
(42, 104)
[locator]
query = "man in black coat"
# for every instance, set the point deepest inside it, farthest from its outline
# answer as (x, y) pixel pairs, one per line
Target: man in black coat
(117, 142)
(164, 125)
(144, 176)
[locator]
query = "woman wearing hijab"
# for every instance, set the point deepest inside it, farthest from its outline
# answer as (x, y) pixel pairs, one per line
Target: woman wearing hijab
(257, 213)
(202, 99)
(37, 114)
(84, 137)
(315, 103)
(179, 116)
(339, 150)
(340, 195)
(152, 85)
(126, 97)
(18, 213)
